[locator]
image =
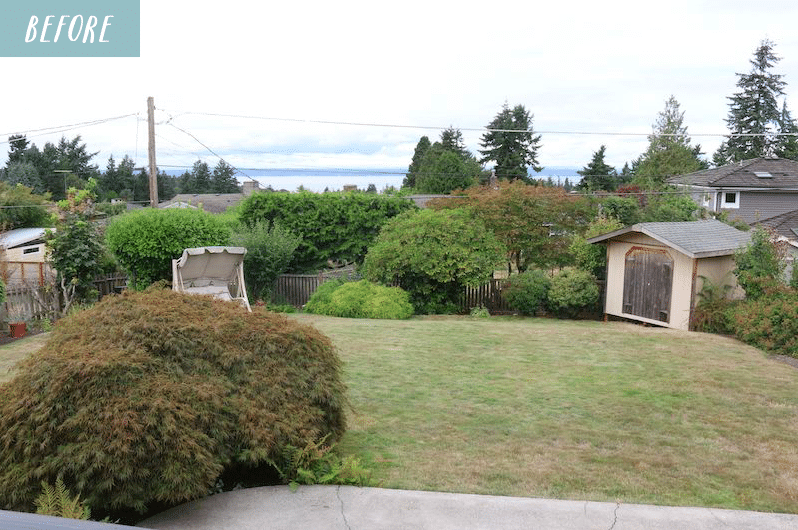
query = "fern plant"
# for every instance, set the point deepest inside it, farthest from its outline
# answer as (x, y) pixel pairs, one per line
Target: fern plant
(59, 502)
(317, 463)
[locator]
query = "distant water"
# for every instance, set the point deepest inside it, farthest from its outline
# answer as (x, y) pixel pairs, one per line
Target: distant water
(319, 180)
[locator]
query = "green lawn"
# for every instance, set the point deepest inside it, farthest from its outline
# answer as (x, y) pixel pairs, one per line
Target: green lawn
(572, 410)
(562, 409)
(14, 352)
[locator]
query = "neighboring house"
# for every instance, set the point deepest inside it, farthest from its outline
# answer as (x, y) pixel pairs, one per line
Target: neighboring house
(750, 190)
(656, 270)
(422, 200)
(785, 227)
(210, 202)
(23, 256)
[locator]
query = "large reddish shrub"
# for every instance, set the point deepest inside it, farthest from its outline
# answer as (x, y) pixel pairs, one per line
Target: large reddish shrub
(149, 396)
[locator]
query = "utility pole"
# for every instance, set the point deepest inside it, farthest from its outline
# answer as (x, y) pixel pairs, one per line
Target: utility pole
(151, 150)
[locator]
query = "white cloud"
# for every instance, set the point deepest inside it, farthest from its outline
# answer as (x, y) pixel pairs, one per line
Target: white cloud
(577, 66)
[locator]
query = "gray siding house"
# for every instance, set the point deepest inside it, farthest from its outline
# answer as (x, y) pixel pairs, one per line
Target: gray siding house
(751, 190)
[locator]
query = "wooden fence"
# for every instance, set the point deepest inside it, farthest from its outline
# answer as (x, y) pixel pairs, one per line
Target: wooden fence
(296, 290)
(31, 301)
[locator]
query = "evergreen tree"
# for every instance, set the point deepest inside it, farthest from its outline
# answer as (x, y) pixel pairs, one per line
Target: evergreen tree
(669, 150)
(598, 175)
(17, 146)
(755, 118)
(788, 144)
(223, 179)
(452, 140)
(513, 152)
(201, 177)
(447, 165)
(418, 156)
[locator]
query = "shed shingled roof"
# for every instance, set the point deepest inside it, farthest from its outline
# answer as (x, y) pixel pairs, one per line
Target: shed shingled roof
(696, 239)
(784, 174)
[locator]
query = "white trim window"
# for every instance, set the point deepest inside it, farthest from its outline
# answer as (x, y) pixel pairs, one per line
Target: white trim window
(730, 199)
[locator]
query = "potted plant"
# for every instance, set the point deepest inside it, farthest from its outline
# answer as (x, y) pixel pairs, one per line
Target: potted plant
(17, 320)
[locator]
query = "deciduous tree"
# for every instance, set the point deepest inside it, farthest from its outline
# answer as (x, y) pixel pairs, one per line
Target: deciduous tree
(534, 223)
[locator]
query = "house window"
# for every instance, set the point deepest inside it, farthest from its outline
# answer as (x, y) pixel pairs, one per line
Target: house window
(731, 199)
(31, 250)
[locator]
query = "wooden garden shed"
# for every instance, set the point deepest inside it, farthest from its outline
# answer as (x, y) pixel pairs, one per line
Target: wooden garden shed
(656, 270)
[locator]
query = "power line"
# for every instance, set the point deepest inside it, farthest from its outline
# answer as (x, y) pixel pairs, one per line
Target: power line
(469, 129)
(63, 128)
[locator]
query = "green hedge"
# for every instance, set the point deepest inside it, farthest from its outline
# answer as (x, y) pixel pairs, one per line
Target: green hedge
(145, 242)
(335, 227)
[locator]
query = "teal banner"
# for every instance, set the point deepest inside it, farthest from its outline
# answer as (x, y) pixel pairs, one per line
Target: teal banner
(71, 28)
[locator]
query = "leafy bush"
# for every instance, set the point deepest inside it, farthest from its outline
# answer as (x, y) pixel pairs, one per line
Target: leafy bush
(526, 292)
(361, 299)
(572, 290)
(146, 241)
(433, 255)
(24, 209)
(149, 396)
(590, 257)
(712, 314)
(769, 322)
(759, 265)
(269, 252)
(335, 227)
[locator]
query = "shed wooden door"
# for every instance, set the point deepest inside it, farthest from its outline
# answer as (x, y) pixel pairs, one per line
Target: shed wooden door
(647, 284)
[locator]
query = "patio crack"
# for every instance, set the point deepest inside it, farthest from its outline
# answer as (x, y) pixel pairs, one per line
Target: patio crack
(615, 515)
(341, 502)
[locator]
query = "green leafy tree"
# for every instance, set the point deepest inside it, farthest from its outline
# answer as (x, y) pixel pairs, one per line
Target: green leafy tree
(598, 175)
(589, 257)
(269, 253)
(433, 255)
(671, 208)
(75, 250)
(625, 209)
(669, 151)
(514, 153)
(759, 266)
(443, 171)
(755, 117)
(21, 208)
(146, 241)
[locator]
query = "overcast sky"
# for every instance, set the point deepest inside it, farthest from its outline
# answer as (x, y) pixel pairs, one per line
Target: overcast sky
(233, 75)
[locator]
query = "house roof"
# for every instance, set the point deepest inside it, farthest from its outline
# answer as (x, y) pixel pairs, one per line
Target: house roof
(785, 225)
(695, 239)
(760, 173)
(21, 237)
(210, 202)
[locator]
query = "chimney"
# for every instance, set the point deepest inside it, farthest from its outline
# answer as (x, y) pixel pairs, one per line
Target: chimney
(249, 187)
